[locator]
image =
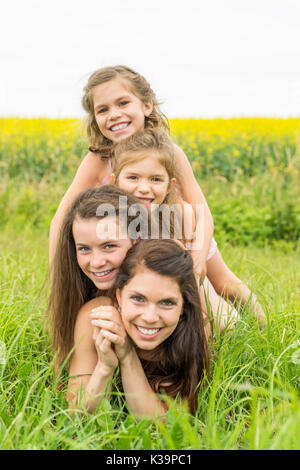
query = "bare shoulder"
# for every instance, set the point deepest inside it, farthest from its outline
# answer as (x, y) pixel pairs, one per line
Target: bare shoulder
(83, 318)
(93, 168)
(179, 153)
(182, 164)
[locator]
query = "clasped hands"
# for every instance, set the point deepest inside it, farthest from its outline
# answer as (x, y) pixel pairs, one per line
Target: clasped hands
(111, 340)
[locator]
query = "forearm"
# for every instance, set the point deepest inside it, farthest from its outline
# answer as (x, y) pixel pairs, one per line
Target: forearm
(88, 397)
(202, 239)
(191, 193)
(140, 397)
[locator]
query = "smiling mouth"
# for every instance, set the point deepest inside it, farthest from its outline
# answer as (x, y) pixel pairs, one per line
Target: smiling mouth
(146, 200)
(150, 332)
(119, 127)
(102, 274)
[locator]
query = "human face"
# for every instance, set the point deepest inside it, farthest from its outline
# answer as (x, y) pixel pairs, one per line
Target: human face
(100, 250)
(118, 112)
(147, 179)
(151, 306)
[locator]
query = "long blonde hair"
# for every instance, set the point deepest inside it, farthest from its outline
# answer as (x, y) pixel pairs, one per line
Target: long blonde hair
(139, 87)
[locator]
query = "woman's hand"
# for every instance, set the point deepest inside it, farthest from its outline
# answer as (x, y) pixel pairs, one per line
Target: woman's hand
(106, 355)
(109, 321)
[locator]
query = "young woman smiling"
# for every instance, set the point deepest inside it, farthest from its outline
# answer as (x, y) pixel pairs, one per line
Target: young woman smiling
(156, 335)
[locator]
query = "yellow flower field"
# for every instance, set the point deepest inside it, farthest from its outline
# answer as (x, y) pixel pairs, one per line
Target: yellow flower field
(36, 148)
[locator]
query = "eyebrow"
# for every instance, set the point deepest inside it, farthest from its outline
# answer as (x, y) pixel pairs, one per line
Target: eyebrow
(174, 299)
(101, 105)
(101, 244)
(129, 172)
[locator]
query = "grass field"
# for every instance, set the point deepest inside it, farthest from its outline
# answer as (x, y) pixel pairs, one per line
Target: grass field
(251, 400)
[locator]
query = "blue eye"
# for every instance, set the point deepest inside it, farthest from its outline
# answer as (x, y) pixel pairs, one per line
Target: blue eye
(83, 249)
(102, 110)
(110, 246)
(123, 103)
(132, 177)
(168, 302)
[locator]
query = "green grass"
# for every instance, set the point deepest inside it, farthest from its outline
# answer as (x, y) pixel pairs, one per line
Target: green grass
(251, 400)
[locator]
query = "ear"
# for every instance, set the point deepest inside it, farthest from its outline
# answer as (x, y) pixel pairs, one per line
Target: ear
(118, 295)
(172, 184)
(112, 179)
(148, 108)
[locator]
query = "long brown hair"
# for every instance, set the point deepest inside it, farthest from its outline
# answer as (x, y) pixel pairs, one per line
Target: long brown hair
(70, 287)
(139, 87)
(180, 362)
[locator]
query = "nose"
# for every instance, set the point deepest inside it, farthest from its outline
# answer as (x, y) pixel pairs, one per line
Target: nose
(144, 187)
(115, 114)
(150, 314)
(97, 260)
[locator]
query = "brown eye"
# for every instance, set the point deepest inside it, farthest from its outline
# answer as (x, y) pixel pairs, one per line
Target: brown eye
(137, 298)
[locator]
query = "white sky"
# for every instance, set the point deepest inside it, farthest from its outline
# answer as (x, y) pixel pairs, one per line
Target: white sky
(203, 58)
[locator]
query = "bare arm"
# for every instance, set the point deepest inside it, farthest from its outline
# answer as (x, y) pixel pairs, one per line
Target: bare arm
(90, 173)
(92, 364)
(191, 193)
(140, 397)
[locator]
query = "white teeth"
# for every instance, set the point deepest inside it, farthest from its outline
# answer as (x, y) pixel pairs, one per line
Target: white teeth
(103, 273)
(147, 331)
(120, 126)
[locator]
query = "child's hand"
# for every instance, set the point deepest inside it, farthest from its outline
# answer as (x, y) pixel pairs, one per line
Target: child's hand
(108, 319)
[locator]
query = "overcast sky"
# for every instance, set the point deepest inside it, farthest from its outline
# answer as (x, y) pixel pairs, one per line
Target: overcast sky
(203, 58)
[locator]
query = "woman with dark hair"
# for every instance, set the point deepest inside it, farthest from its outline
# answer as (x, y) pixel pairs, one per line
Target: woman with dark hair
(156, 335)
